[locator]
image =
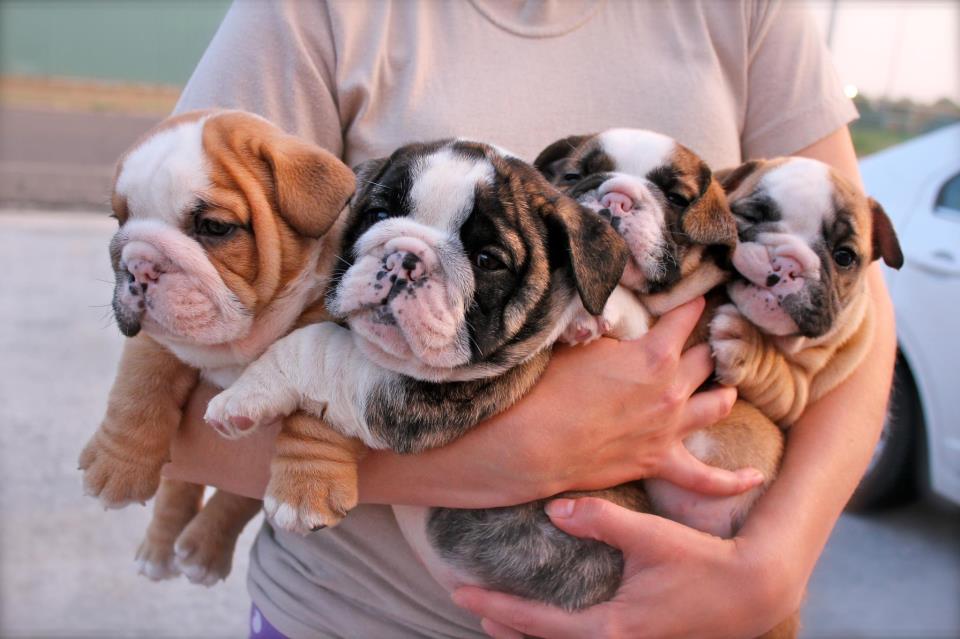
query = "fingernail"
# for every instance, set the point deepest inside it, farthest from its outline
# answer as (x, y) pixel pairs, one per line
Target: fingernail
(752, 476)
(459, 598)
(561, 508)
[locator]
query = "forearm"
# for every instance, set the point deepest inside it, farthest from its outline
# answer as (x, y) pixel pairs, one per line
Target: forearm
(828, 450)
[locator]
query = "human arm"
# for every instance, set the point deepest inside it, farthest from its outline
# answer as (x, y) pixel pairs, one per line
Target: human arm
(684, 570)
(640, 408)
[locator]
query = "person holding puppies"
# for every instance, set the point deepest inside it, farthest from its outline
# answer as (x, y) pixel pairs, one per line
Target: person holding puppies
(731, 81)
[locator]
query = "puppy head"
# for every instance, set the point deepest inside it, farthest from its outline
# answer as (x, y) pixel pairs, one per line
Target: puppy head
(219, 214)
(656, 193)
(806, 238)
(460, 261)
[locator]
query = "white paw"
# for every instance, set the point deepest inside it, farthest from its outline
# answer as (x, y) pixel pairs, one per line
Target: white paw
(204, 566)
(156, 562)
(235, 413)
(584, 328)
(728, 328)
(298, 518)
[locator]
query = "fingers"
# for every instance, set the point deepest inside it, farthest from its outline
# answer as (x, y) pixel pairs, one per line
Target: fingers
(523, 616)
(706, 409)
(597, 519)
(696, 366)
(680, 467)
(666, 339)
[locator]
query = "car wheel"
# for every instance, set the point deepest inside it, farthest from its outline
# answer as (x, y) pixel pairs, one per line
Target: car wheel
(890, 478)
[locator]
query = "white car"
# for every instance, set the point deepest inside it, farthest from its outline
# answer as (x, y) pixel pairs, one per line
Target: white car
(918, 184)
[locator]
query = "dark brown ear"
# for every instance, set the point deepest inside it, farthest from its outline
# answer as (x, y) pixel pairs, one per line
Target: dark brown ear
(708, 219)
(596, 253)
(551, 158)
(885, 242)
(367, 172)
(730, 179)
(312, 186)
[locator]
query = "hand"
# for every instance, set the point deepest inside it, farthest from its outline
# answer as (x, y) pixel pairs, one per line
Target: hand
(633, 402)
(678, 582)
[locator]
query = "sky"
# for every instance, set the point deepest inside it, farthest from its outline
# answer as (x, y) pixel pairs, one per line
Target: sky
(896, 48)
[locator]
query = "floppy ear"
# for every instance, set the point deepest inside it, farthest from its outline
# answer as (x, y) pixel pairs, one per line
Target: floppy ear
(312, 186)
(551, 158)
(708, 219)
(730, 179)
(596, 253)
(885, 242)
(367, 171)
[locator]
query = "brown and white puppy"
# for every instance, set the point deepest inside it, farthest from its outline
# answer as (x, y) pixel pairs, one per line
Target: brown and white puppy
(801, 317)
(459, 268)
(218, 254)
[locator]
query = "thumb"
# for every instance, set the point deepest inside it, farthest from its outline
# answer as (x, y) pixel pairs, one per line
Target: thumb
(680, 467)
(605, 521)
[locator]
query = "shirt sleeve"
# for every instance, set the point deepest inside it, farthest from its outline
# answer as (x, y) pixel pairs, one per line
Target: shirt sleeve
(794, 96)
(275, 58)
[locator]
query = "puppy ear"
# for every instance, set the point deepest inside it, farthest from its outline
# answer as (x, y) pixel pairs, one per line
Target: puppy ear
(551, 159)
(885, 242)
(596, 253)
(367, 171)
(708, 219)
(731, 178)
(311, 185)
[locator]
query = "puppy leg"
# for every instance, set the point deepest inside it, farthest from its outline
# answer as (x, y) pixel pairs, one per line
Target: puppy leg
(204, 550)
(763, 376)
(789, 628)
(745, 438)
(274, 385)
(313, 475)
(121, 462)
(176, 504)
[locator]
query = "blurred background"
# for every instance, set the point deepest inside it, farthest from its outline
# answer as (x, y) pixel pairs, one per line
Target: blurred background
(81, 79)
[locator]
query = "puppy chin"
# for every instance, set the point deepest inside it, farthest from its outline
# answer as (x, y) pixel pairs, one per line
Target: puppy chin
(401, 341)
(179, 311)
(762, 307)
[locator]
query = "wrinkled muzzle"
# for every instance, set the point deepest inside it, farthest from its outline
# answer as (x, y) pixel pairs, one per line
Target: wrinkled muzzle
(166, 285)
(635, 212)
(406, 294)
(782, 291)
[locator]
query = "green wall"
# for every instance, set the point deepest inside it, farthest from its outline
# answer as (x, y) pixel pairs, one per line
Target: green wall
(151, 41)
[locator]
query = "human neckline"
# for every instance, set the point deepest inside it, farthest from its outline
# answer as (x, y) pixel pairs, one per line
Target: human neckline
(538, 18)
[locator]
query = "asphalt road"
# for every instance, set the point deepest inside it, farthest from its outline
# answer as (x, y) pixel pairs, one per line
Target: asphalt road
(66, 566)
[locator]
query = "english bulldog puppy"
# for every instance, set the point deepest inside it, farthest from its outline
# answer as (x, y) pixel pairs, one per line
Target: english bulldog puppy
(460, 265)
(801, 318)
(220, 250)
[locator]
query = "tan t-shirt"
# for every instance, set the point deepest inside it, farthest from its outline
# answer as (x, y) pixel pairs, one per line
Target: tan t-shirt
(731, 80)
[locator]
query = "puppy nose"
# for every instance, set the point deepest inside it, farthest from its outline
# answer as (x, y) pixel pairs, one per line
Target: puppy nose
(143, 271)
(618, 203)
(405, 265)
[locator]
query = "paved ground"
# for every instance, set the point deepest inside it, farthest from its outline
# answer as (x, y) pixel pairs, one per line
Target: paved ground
(66, 566)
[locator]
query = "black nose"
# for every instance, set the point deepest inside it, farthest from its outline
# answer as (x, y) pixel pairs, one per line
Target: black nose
(772, 279)
(409, 262)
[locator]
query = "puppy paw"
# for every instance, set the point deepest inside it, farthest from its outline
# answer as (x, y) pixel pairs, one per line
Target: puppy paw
(300, 504)
(237, 412)
(584, 328)
(729, 341)
(155, 560)
(116, 476)
(203, 556)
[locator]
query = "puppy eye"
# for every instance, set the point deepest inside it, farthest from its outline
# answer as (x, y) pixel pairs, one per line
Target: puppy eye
(844, 257)
(571, 177)
(487, 261)
(677, 200)
(212, 227)
(377, 214)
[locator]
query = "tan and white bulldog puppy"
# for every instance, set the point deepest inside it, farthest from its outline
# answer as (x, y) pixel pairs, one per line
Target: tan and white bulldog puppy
(218, 254)
(460, 266)
(801, 318)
